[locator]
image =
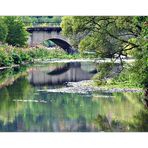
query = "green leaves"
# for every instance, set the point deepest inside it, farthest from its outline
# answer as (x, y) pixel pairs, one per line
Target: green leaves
(3, 30)
(67, 24)
(12, 31)
(17, 34)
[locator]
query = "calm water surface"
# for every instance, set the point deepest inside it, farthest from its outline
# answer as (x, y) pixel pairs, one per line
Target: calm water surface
(23, 108)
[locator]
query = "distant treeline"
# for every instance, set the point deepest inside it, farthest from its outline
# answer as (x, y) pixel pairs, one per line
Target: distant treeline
(34, 20)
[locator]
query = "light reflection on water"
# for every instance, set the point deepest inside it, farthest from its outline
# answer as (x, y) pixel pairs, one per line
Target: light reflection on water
(23, 108)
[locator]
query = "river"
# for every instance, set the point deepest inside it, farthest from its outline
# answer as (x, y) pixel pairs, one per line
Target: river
(23, 108)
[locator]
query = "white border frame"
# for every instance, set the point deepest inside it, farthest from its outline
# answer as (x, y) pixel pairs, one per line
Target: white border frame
(75, 7)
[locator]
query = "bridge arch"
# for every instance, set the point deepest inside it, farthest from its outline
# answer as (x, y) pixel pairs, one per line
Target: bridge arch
(40, 34)
(63, 44)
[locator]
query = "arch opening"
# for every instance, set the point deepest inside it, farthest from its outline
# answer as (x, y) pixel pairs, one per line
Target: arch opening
(63, 44)
(48, 44)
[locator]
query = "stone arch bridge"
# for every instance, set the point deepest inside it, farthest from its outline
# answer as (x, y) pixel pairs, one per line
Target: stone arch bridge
(40, 34)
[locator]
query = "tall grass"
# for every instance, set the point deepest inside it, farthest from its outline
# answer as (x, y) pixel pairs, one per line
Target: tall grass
(10, 55)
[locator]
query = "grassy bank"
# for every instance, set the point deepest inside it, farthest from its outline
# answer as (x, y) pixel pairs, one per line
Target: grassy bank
(122, 81)
(108, 86)
(10, 55)
(114, 83)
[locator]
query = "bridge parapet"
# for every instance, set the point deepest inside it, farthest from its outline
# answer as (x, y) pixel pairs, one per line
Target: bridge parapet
(48, 29)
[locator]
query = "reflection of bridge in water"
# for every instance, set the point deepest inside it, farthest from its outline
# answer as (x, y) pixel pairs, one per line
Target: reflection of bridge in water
(70, 72)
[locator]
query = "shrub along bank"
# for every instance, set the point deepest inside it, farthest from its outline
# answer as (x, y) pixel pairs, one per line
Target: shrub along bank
(10, 55)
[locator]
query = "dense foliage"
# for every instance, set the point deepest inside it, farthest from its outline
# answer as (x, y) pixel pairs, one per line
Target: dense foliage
(3, 30)
(41, 20)
(13, 31)
(10, 55)
(112, 37)
(17, 34)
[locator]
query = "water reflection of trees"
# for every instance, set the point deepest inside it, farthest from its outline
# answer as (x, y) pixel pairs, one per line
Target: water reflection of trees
(8, 108)
(69, 112)
(8, 76)
(121, 106)
(136, 119)
(139, 123)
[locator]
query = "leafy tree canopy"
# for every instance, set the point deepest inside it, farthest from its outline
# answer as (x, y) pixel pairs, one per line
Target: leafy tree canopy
(112, 37)
(17, 34)
(3, 30)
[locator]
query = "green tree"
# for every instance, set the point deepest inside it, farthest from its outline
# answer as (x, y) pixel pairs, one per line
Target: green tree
(56, 19)
(3, 30)
(112, 37)
(17, 34)
(142, 54)
(107, 35)
(68, 29)
(27, 21)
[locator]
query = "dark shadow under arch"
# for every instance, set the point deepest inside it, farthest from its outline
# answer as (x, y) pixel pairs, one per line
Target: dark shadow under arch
(64, 45)
(60, 70)
(67, 66)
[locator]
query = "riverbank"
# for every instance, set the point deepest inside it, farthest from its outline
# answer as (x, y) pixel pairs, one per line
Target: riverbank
(81, 59)
(56, 60)
(8, 67)
(10, 55)
(87, 86)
